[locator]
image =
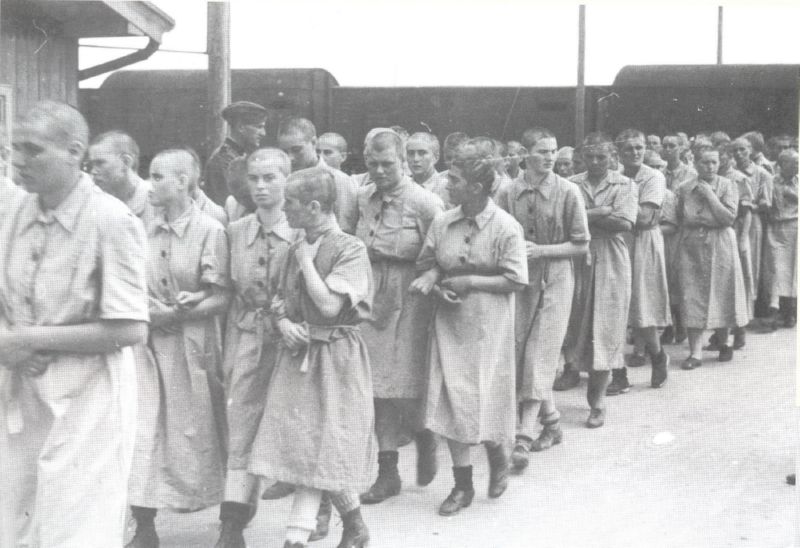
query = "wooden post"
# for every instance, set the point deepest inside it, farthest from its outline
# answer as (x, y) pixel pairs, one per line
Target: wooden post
(219, 72)
(580, 89)
(719, 35)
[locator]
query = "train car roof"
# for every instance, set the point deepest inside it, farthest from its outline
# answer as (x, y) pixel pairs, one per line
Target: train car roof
(195, 79)
(709, 76)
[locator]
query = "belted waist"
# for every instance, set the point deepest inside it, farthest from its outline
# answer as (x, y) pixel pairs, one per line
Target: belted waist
(329, 333)
(378, 257)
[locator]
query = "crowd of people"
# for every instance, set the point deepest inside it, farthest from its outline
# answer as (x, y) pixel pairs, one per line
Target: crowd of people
(265, 325)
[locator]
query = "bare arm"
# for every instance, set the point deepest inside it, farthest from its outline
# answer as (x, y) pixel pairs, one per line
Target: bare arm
(328, 302)
(556, 251)
(611, 223)
(722, 214)
(489, 284)
(647, 215)
(98, 337)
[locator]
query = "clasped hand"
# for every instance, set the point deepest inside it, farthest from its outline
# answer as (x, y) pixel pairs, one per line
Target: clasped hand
(15, 355)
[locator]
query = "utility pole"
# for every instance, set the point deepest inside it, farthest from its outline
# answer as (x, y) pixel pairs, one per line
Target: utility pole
(719, 35)
(580, 89)
(218, 46)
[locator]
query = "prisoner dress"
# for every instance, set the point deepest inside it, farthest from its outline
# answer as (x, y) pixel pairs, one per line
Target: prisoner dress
(781, 240)
(551, 211)
(181, 429)
(393, 226)
(743, 240)
(709, 270)
(471, 385)
(598, 321)
(761, 188)
(71, 430)
(258, 255)
(318, 416)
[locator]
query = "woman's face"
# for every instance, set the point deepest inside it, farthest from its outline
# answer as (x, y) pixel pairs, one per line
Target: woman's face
(266, 183)
(542, 156)
(671, 149)
(631, 153)
(597, 159)
(707, 164)
(461, 191)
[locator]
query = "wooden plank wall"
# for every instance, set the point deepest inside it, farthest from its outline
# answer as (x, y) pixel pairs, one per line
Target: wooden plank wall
(37, 61)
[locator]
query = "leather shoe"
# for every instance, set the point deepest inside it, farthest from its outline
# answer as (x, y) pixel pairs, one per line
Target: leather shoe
(597, 418)
(637, 360)
(383, 488)
(323, 519)
(691, 363)
(455, 501)
(569, 378)
(550, 435)
(725, 353)
(520, 454)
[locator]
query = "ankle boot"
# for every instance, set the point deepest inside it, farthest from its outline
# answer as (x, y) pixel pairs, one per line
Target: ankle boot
(461, 495)
(668, 336)
(388, 483)
(234, 517)
(658, 373)
(619, 382)
(770, 323)
(738, 338)
(427, 464)
(323, 518)
(498, 469)
(145, 536)
(551, 435)
(569, 378)
(354, 531)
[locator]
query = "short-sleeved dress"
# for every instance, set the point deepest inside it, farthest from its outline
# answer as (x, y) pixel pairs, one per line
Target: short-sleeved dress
(761, 188)
(649, 288)
(70, 431)
(551, 211)
(258, 255)
(745, 202)
(472, 374)
(178, 462)
(598, 322)
(318, 416)
(781, 240)
(709, 270)
(393, 227)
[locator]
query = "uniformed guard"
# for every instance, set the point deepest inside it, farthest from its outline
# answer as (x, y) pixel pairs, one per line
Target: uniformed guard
(246, 121)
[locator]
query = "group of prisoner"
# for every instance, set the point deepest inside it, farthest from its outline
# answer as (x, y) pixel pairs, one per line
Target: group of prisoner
(172, 342)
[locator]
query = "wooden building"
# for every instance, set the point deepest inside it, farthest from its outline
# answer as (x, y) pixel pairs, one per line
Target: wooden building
(39, 47)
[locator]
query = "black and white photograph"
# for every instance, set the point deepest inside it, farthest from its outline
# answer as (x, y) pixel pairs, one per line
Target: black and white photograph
(399, 274)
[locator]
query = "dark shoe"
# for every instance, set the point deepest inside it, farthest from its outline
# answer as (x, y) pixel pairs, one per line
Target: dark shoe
(738, 338)
(455, 501)
(597, 417)
(520, 454)
(668, 336)
(790, 479)
(277, 490)
(145, 536)
(691, 363)
(725, 353)
(637, 360)
(550, 435)
(427, 464)
(388, 483)
(713, 343)
(234, 517)
(323, 519)
(498, 469)
(354, 531)
(569, 378)
(658, 373)
(619, 382)
(770, 323)
(288, 544)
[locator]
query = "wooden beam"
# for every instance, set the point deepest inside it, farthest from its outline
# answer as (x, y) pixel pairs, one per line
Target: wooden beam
(580, 89)
(719, 35)
(219, 72)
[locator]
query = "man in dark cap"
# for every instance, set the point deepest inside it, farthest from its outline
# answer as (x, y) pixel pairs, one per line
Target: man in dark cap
(247, 127)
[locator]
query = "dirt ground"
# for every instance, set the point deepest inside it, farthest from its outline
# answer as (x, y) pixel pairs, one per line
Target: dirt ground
(698, 463)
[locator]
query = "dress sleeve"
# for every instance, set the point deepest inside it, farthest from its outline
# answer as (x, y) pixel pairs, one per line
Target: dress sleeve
(351, 275)
(123, 259)
(575, 219)
(652, 191)
(513, 259)
(215, 258)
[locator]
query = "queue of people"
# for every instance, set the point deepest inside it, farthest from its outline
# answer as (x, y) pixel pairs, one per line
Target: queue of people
(303, 322)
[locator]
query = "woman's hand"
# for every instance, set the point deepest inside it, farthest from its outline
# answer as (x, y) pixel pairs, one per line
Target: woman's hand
(460, 285)
(533, 251)
(294, 334)
(14, 354)
(187, 299)
(423, 284)
(447, 296)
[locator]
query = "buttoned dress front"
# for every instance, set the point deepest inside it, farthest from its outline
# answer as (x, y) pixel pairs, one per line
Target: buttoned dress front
(649, 289)
(673, 179)
(393, 226)
(71, 430)
(781, 240)
(745, 202)
(318, 417)
(761, 188)
(709, 270)
(551, 211)
(258, 255)
(180, 443)
(598, 321)
(471, 391)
